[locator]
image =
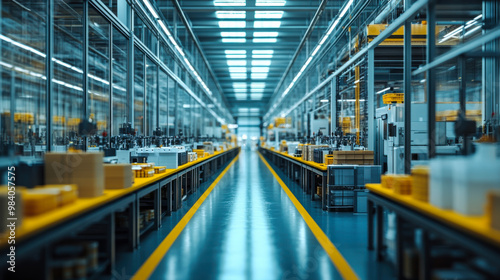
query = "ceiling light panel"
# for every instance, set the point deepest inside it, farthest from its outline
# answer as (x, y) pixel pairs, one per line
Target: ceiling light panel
(259, 76)
(234, 40)
(269, 14)
(237, 62)
(235, 52)
(261, 62)
(236, 56)
(238, 76)
(239, 85)
(232, 24)
(230, 3)
(240, 90)
(241, 96)
(257, 85)
(264, 40)
(262, 56)
(262, 51)
(266, 24)
(257, 96)
(233, 34)
(260, 69)
(238, 69)
(270, 3)
(231, 14)
(265, 34)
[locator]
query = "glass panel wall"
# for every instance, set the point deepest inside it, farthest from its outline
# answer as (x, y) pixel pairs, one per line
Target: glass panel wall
(152, 96)
(172, 109)
(163, 102)
(23, 82)
(67, 87)
(139, 91)
(121, 97)
(99, 71)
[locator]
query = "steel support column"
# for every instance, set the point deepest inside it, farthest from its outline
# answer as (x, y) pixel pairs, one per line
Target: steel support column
(370, 83)
(431, 79)
(407, 93)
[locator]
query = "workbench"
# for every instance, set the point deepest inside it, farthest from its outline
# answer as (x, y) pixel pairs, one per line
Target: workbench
(164, 192)
(470, 233)
(307, 171)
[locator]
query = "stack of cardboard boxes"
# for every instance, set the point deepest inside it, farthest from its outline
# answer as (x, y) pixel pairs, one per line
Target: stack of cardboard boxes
(353, 157)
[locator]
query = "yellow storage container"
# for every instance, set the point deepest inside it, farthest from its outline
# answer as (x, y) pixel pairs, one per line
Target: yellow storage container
(420, 187)
(68, 193)
(387, 181)
(402, 184)
(40, 200)
(390, 98)
(160, 169)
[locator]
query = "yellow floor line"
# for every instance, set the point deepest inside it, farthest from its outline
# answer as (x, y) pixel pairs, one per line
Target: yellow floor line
(152, 262)
(338, 260)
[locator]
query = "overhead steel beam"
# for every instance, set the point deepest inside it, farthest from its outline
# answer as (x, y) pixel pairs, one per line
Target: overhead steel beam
(248, 9)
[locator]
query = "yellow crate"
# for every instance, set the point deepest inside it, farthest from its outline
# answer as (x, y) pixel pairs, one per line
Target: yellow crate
(420, 187)
(402, 184)
(390, 98)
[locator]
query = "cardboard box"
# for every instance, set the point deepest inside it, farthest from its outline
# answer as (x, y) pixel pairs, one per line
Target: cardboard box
(358, 156)
(118, 176)
(83, 169)
(67, 193)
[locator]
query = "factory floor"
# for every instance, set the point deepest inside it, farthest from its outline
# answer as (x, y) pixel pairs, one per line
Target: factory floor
(248, 228)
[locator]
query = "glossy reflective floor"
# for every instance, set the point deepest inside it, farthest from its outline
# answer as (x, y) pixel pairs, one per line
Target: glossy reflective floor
(247, 228)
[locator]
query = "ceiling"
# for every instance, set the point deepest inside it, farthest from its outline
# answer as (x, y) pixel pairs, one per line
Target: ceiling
(247, 55)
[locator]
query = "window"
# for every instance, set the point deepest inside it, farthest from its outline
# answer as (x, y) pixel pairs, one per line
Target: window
(121, 97)
(152, 96)
(139, 91)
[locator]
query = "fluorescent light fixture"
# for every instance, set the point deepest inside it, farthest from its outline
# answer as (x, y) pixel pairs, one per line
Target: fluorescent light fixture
(257, 85)
(256, 96)
(151, 9)
(260, 69)
(261, 62)
(233, 34)
(238, 76)
(270, 3)
(259, 76)
(237, 69)
(269, 14)
(254, 110)
(316, 50)
(264, 40)
(235, 52)
(236, 56)
(230, 3)
(231, 14)
(266, 24)
(243, 110)
(240, 90)
(263, 52)
(234, 40)
(237, 62)
(384, 90)
(262, 56)
(265, 34)
(324, 100)
(257, 90)
(164, 27)
(232, 24)
(239, 85)
(241, 96)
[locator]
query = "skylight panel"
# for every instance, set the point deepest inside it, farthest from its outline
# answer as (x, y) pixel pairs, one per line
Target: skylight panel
(238, 76)
(266, 24)
(234, 40)
(230, 3)
(229, 56)
(261, 56)
(231, 14)
(256, 96)
(238, 69)
(257, 85)
(262, 51)
(269, 14)
(259, 76)
(232, 24)
(260, 69)
(265, 34)
(261, 62)
(264, 40)
(235, 52)
(233, 34)
(270, 3)
(241, 96)
(237, 62)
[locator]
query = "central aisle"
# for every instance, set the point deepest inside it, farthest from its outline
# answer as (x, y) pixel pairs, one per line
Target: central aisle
(247, 228)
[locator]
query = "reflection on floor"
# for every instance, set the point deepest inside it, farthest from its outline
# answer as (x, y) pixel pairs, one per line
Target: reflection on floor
(248, 228)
